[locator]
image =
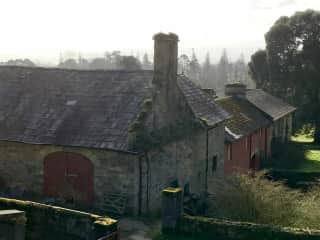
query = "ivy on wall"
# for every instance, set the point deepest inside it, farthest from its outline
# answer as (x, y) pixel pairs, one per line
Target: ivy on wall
(141, 139)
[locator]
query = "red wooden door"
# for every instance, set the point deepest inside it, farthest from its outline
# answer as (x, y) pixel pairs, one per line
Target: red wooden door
(68, 177)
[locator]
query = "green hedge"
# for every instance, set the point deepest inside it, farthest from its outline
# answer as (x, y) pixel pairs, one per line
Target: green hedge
(50, 222)
(210, 228)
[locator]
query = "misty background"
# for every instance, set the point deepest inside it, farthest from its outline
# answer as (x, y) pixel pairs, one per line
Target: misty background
(217, 38)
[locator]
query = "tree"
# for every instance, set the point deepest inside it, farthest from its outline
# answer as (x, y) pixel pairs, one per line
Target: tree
(223, 70)
(146, 63)
(289, 67)
(69, 63)
(83, 63)
(195, 68)
(184, 64)
(258, 69)
(98, 63)
(130, 63)
(206, 69)
(21, 62)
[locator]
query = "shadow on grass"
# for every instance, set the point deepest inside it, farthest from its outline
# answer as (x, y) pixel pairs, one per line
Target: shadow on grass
(296, 156)
(296, 163)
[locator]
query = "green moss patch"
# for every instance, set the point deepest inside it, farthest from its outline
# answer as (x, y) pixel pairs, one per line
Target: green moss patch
(171, 191)
(51, 222)
(210, 228)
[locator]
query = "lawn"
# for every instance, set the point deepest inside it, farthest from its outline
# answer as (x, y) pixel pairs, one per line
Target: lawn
(302, 138)
(297, 163)
(312, 159)
(311, 153)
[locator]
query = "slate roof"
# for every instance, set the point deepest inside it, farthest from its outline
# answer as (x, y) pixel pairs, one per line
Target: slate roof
(83, 108)
(245, 119)
(70, 107)
(201, 104)
(272, 106)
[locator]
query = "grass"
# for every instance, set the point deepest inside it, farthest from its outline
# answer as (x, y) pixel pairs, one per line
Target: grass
(312, 159)
(311, 153)
(302, 138)
(298, 155)
(265, 202)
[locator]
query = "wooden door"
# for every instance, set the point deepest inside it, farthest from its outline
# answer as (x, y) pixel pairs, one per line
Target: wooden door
(68, 177)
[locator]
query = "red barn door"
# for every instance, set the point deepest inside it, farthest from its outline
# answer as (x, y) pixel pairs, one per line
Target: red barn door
(68, 177)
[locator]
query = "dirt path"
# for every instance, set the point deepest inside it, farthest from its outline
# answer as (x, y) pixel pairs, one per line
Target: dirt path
(133, 229)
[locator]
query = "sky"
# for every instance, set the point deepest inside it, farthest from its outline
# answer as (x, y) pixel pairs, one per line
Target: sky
(42, 29)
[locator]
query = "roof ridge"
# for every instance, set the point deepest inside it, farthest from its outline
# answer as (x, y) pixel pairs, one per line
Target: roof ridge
(72, 69)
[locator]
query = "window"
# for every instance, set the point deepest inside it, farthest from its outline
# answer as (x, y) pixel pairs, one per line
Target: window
(214, 163)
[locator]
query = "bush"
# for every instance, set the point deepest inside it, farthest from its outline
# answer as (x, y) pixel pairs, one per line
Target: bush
(256, 199)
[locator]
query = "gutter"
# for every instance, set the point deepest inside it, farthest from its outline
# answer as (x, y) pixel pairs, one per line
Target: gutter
(72, 146)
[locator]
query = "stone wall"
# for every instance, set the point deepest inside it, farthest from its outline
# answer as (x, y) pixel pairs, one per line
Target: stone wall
(183, 163)
(210, 228)
(21, 169)
(50, 223)
(12, 224)
(178, 163)
(216, 149)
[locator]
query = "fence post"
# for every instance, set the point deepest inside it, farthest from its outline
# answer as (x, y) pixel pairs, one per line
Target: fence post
(172, 208)
(12, 224)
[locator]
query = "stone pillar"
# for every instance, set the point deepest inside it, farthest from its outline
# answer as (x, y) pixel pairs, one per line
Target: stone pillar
(172, 209)
(105, 229)
(12, 225)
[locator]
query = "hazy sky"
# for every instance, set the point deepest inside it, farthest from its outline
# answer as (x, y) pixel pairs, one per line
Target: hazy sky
(43, 28)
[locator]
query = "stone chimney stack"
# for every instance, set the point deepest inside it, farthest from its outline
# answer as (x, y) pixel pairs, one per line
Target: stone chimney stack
(165, 77)
(235, 89)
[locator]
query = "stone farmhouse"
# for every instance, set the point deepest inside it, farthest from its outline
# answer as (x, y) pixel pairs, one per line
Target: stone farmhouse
(257, 119)
(98, 137)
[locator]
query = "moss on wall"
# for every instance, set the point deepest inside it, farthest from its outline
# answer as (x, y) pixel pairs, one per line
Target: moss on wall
(145, 140)
(50, 222)
(222, 229)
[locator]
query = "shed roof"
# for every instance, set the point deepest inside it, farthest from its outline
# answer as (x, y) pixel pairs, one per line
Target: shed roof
(81, 108)
(70, 107)
(272, 106)
(202, 105)
(245, 119)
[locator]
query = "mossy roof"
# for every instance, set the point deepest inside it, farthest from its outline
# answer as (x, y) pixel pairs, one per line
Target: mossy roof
(245, 119)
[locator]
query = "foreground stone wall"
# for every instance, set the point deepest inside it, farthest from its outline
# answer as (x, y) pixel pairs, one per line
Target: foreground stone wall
(49, 222)
(12, 224)
(220, 229)
(21, 169)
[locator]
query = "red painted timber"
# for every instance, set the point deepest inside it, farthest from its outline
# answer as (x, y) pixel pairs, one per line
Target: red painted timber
(69, 177)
